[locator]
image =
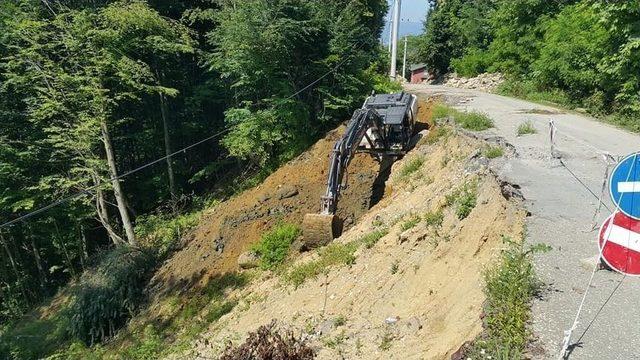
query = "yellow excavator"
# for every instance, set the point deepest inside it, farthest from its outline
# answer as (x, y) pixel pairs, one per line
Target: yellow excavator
(383, 127)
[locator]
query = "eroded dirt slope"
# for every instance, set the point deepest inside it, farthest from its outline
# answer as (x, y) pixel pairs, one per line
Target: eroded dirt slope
(417, 292)
(292, 191)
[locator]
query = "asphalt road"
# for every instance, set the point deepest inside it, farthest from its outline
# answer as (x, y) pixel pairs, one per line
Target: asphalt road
(562, 211)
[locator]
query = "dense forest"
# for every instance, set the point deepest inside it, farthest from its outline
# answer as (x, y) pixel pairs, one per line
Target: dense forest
(99, 98)
(583, 54)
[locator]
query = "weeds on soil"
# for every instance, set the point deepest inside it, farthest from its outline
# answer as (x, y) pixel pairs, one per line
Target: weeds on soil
(509, 288)
(274, 245)
(493, 152)
(526, 128)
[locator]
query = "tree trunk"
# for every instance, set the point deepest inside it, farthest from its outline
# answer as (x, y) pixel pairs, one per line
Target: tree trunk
(117, 188)
(167, 145)
(12, 261)
(84, 255)
(103, 215)
(64, 251)
(38, 259)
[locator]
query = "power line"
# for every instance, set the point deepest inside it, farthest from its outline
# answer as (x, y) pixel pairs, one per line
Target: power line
(183, 150)
(89, 189)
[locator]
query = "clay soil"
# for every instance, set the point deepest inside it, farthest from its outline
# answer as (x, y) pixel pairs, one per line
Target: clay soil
(285, 196)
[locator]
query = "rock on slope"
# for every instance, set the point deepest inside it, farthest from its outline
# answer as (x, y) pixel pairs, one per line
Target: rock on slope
(414, 294)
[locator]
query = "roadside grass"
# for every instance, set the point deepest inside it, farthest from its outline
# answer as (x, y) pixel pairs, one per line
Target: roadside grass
(509, 288)
(493, 152)
(274, 245)
(411, 167)
(474, 121)
(526, 128)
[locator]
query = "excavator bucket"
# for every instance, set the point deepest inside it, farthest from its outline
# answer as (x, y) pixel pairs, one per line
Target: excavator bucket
(320, 229)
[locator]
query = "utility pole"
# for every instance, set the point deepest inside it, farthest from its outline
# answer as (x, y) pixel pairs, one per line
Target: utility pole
(394, 38)
(404, 60)
(391, 26)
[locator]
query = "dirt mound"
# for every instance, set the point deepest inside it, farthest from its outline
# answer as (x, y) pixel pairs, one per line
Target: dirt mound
(287, 195)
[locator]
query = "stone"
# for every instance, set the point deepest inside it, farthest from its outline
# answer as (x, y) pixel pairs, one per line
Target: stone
(248, 260)
(287, 191)
(325, 327)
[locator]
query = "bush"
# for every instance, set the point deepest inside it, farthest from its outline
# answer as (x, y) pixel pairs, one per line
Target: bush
(473, 63)
(526, 128)
(108, 295)
(509, 288)
(162, 232)
(474, 121)
(268, 343)
(274, 245)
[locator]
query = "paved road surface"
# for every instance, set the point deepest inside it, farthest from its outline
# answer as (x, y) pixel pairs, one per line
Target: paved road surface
(561, 216)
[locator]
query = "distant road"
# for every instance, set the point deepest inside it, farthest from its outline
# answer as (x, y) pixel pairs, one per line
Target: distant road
(561, 216)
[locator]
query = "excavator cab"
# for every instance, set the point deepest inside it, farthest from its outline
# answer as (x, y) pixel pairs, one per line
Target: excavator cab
(382, 127)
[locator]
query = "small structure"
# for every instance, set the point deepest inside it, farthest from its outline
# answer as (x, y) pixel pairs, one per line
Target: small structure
(419, 73)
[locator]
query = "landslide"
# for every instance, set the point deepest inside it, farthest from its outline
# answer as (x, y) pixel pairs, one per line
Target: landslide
(415, 291)
(294, 190)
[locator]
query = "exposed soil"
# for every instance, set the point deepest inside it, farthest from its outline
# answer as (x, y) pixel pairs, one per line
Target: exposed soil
(294, 190)
(417, 293)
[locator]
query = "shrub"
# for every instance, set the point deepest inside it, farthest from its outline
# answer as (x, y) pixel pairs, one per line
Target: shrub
(526, 128)
(108, 295)
(509, 288)
(473, 63)
(268, 343)
(466, 203)
(163, 231)
(274, 245)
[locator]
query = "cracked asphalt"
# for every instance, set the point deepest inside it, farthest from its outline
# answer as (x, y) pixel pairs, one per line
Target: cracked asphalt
(562, 216)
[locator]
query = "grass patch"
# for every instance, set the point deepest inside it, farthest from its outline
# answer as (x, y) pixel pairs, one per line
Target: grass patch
(468, 120)
(464, 198)
(474, 121)
(411, 166)
(493, 152)
(274, 245)
(526, 128)
(509, 288)
(410, 223)
(434, 218)
(386, 341)
(372, 238)
(438, 133)
(332, 255)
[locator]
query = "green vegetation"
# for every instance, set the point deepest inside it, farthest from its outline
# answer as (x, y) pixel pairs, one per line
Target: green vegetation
(274, 245)
(332, 255)
(464, 199)
(493, 152)
(577, 53)
(434, 218)
(387, 340)
(372, 238)
(410, 223)
(439, 133)
(509, 288)
(93, 89)
(526, 128)
(468, 120)
(395, 266)
(410, 167)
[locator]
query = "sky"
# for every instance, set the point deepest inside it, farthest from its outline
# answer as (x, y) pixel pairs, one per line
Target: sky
(412, 15)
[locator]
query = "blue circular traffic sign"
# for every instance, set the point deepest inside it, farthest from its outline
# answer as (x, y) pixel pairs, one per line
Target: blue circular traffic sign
(624, 186)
